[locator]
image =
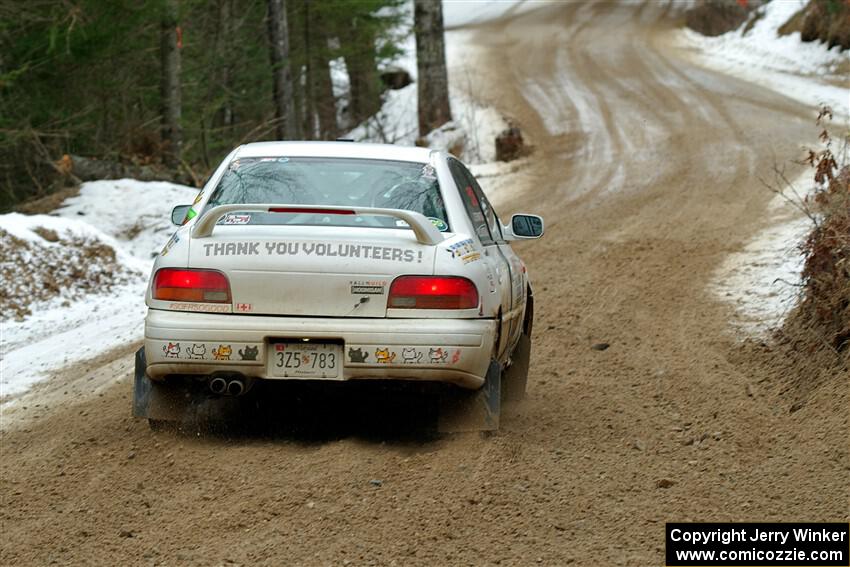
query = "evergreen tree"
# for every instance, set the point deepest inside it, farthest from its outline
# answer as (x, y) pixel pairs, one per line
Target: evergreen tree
(107, 80)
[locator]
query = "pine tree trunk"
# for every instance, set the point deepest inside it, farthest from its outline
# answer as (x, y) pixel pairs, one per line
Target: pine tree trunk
(364, 82)
(300, 102)
(321, 118)
(172, 131)
(324, 101)
(433, 83)
(224, 116)
(281, 74)
(309, 119)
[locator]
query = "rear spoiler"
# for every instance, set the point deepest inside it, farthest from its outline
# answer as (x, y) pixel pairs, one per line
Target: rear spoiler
(424, 229)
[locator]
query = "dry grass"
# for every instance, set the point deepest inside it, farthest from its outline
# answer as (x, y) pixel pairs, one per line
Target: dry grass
(69, 266)
(48, 204)
(821, 322)
(46, 233)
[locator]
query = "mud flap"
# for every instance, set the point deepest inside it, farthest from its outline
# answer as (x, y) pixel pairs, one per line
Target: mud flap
(476, 410)
(164, 401)
(515, 376)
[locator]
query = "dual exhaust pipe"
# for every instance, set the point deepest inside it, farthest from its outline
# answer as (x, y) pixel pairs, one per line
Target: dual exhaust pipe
(222, 386)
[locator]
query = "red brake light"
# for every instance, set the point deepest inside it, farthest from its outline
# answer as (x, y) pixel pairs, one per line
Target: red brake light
(202, 286)
(432, 292)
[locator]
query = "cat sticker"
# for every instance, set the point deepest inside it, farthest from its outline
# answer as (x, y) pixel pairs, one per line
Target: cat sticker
(171, 350)
(383, 356)
(197, 351)
(438, 355)
(249, 353)
(223, 352)
(357, 355)
(411, 356)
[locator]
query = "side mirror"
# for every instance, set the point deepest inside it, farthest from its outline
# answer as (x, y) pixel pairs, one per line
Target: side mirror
(524, 227)
(178, 214)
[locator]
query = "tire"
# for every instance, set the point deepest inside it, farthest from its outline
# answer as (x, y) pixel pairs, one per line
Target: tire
(160, 425)
(515, 376)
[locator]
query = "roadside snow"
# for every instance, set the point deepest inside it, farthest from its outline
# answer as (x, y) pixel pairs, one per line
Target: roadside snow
(457, 13)
(500, 181)
(141, 233)
(805, 71)
(57, 335)
(761, 281)
(129, 218)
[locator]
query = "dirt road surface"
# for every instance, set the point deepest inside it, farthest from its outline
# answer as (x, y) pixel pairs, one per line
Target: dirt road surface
(645, 169)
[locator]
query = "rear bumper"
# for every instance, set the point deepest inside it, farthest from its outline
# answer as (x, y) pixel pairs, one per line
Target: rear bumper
(443, 350)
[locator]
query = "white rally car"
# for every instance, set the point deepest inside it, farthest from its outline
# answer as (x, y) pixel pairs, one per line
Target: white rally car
(336, 261)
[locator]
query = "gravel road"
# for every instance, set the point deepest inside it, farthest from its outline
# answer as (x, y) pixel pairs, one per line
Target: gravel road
(645, 168)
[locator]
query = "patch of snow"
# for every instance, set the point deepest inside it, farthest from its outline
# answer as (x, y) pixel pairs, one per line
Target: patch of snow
(142, 232)
(762, 280)
(805, 71)
(398, 123)
(131, 217)
(446, 136)
(56, 336)
(460, 13)
(500, 180)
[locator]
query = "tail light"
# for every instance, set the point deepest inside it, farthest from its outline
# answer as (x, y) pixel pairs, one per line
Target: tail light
(201, 286)
(432, 292)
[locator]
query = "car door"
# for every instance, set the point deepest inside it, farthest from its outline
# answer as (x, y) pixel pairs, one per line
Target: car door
(513, 316)
(481, 216)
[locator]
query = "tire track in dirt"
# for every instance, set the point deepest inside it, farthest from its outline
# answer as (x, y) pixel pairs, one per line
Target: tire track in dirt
(573, 475)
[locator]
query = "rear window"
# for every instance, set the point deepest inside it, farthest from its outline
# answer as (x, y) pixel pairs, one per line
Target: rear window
(337, 182)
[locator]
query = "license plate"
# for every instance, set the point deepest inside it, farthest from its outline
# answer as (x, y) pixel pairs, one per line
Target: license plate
(305, 360)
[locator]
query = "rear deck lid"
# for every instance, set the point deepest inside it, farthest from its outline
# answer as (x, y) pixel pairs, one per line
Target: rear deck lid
(311, 270)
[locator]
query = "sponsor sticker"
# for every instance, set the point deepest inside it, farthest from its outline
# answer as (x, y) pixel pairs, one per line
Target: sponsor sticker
(440, 224)
(367, 289)
(232, 218)
(200, 307)
(462, 248)
(171, 242)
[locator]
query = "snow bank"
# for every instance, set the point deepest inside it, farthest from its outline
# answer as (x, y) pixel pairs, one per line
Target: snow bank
(48, 259)
(79, 275)
(805, 71)
(761, 280)
(125, 209)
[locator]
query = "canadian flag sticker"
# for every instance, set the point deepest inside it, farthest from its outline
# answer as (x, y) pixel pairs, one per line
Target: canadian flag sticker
(244, 307)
